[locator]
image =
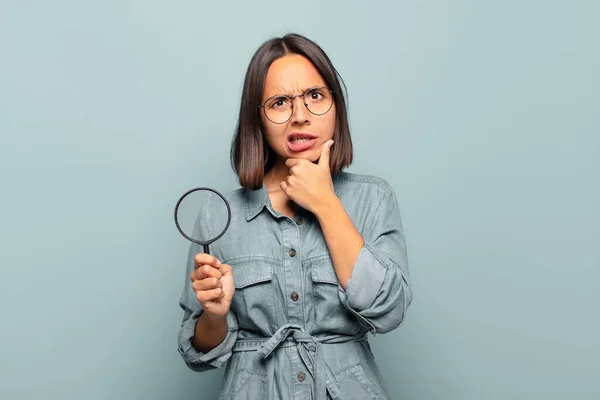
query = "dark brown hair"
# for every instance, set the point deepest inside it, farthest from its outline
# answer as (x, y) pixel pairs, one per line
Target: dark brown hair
(251, 156)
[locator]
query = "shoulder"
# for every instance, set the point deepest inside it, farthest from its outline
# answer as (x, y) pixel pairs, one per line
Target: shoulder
(351, 183)
(235, 195)
(237, 199)
(212, 206)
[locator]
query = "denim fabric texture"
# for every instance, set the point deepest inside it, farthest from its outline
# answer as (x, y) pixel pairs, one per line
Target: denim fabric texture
(293, 331)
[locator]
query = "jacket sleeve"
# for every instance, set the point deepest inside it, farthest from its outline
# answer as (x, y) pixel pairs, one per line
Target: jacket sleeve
(192, 310)
(379, 291)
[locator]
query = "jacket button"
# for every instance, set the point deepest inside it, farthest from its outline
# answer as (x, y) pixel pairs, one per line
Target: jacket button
(294, 296)
(292, 252)
(301, 376)
(299, 221)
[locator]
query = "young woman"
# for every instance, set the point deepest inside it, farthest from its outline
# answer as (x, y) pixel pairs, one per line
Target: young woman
(314, 258)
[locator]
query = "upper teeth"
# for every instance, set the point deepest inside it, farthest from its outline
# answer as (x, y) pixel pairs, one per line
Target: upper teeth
(297, 139)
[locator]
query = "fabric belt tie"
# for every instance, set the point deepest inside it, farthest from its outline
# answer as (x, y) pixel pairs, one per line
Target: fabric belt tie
(309, 348)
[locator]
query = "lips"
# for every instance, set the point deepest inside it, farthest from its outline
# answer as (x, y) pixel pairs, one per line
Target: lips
(300, 135)
(300, 141)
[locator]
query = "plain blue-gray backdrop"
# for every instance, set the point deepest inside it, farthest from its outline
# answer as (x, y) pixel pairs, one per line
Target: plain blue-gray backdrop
(482, 115)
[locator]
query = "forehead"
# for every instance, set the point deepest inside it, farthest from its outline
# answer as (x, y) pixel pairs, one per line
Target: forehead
(291, 74)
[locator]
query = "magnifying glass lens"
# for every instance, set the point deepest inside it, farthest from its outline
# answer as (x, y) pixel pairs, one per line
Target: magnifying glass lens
(202, 215)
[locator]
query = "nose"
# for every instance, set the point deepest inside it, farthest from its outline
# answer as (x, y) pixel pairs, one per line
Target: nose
(300, 114)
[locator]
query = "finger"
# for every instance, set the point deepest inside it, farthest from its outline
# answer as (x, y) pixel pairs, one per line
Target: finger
(225, 269)
(290, 162)
(210, 295)
(290, 180)
(284, 186)
(207, 284)
(206, 271)
(325, 154)
(206, 259)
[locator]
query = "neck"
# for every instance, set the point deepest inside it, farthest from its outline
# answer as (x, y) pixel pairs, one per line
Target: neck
(276, 175)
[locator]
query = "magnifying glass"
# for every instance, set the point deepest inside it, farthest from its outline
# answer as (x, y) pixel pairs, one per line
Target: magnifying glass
(198, 203)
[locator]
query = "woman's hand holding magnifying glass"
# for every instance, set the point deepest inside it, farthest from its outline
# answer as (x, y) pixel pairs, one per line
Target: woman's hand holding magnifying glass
(213, 284)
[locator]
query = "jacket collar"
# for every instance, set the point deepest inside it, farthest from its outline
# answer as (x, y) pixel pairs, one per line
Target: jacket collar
(258, 199)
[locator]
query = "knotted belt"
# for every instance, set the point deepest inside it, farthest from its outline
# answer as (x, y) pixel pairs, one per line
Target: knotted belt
(309, 348)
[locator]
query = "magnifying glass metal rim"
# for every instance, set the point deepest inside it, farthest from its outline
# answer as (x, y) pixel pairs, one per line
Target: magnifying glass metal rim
(202, 243)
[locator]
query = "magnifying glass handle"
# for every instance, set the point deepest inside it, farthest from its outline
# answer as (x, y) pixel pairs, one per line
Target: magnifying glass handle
(206, 250)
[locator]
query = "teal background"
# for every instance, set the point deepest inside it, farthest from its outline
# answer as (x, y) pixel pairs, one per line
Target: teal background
(482, 115)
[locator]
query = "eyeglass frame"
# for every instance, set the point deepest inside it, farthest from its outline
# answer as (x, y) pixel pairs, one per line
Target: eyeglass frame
(292, 103)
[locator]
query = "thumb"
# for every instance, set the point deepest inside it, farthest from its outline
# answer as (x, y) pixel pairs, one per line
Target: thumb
(225, 269)
(325, 153)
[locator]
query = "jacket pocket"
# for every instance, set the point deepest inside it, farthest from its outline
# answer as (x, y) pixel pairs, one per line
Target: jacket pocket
(254, 294)
(248, 385)
(329, 313)
(354, 384)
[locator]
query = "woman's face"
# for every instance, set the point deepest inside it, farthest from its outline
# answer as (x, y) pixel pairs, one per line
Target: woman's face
(304, 134)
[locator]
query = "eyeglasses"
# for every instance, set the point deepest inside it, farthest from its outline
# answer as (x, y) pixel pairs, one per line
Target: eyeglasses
(279, 109)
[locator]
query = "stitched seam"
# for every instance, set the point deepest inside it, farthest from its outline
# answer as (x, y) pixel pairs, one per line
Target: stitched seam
(248, 216)
(347, 368)
(377, 210)
(365, 179)
(254, 257)
(319, 257)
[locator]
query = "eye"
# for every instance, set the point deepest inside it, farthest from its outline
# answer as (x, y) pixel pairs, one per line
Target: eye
(278, 102)
(315, 95)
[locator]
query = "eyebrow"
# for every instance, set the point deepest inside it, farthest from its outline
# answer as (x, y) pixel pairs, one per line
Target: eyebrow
(303, 90)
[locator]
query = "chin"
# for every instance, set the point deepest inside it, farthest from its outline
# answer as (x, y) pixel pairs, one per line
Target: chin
(313, 156)
(310, 155)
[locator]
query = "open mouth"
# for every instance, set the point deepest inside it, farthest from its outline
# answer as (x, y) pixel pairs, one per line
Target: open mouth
(301, 141)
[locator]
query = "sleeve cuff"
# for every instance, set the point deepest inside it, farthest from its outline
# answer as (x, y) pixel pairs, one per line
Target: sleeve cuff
(366, 280)
(216, 357)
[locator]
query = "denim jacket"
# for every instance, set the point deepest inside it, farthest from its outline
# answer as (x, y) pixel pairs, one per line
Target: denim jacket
(293, 331)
